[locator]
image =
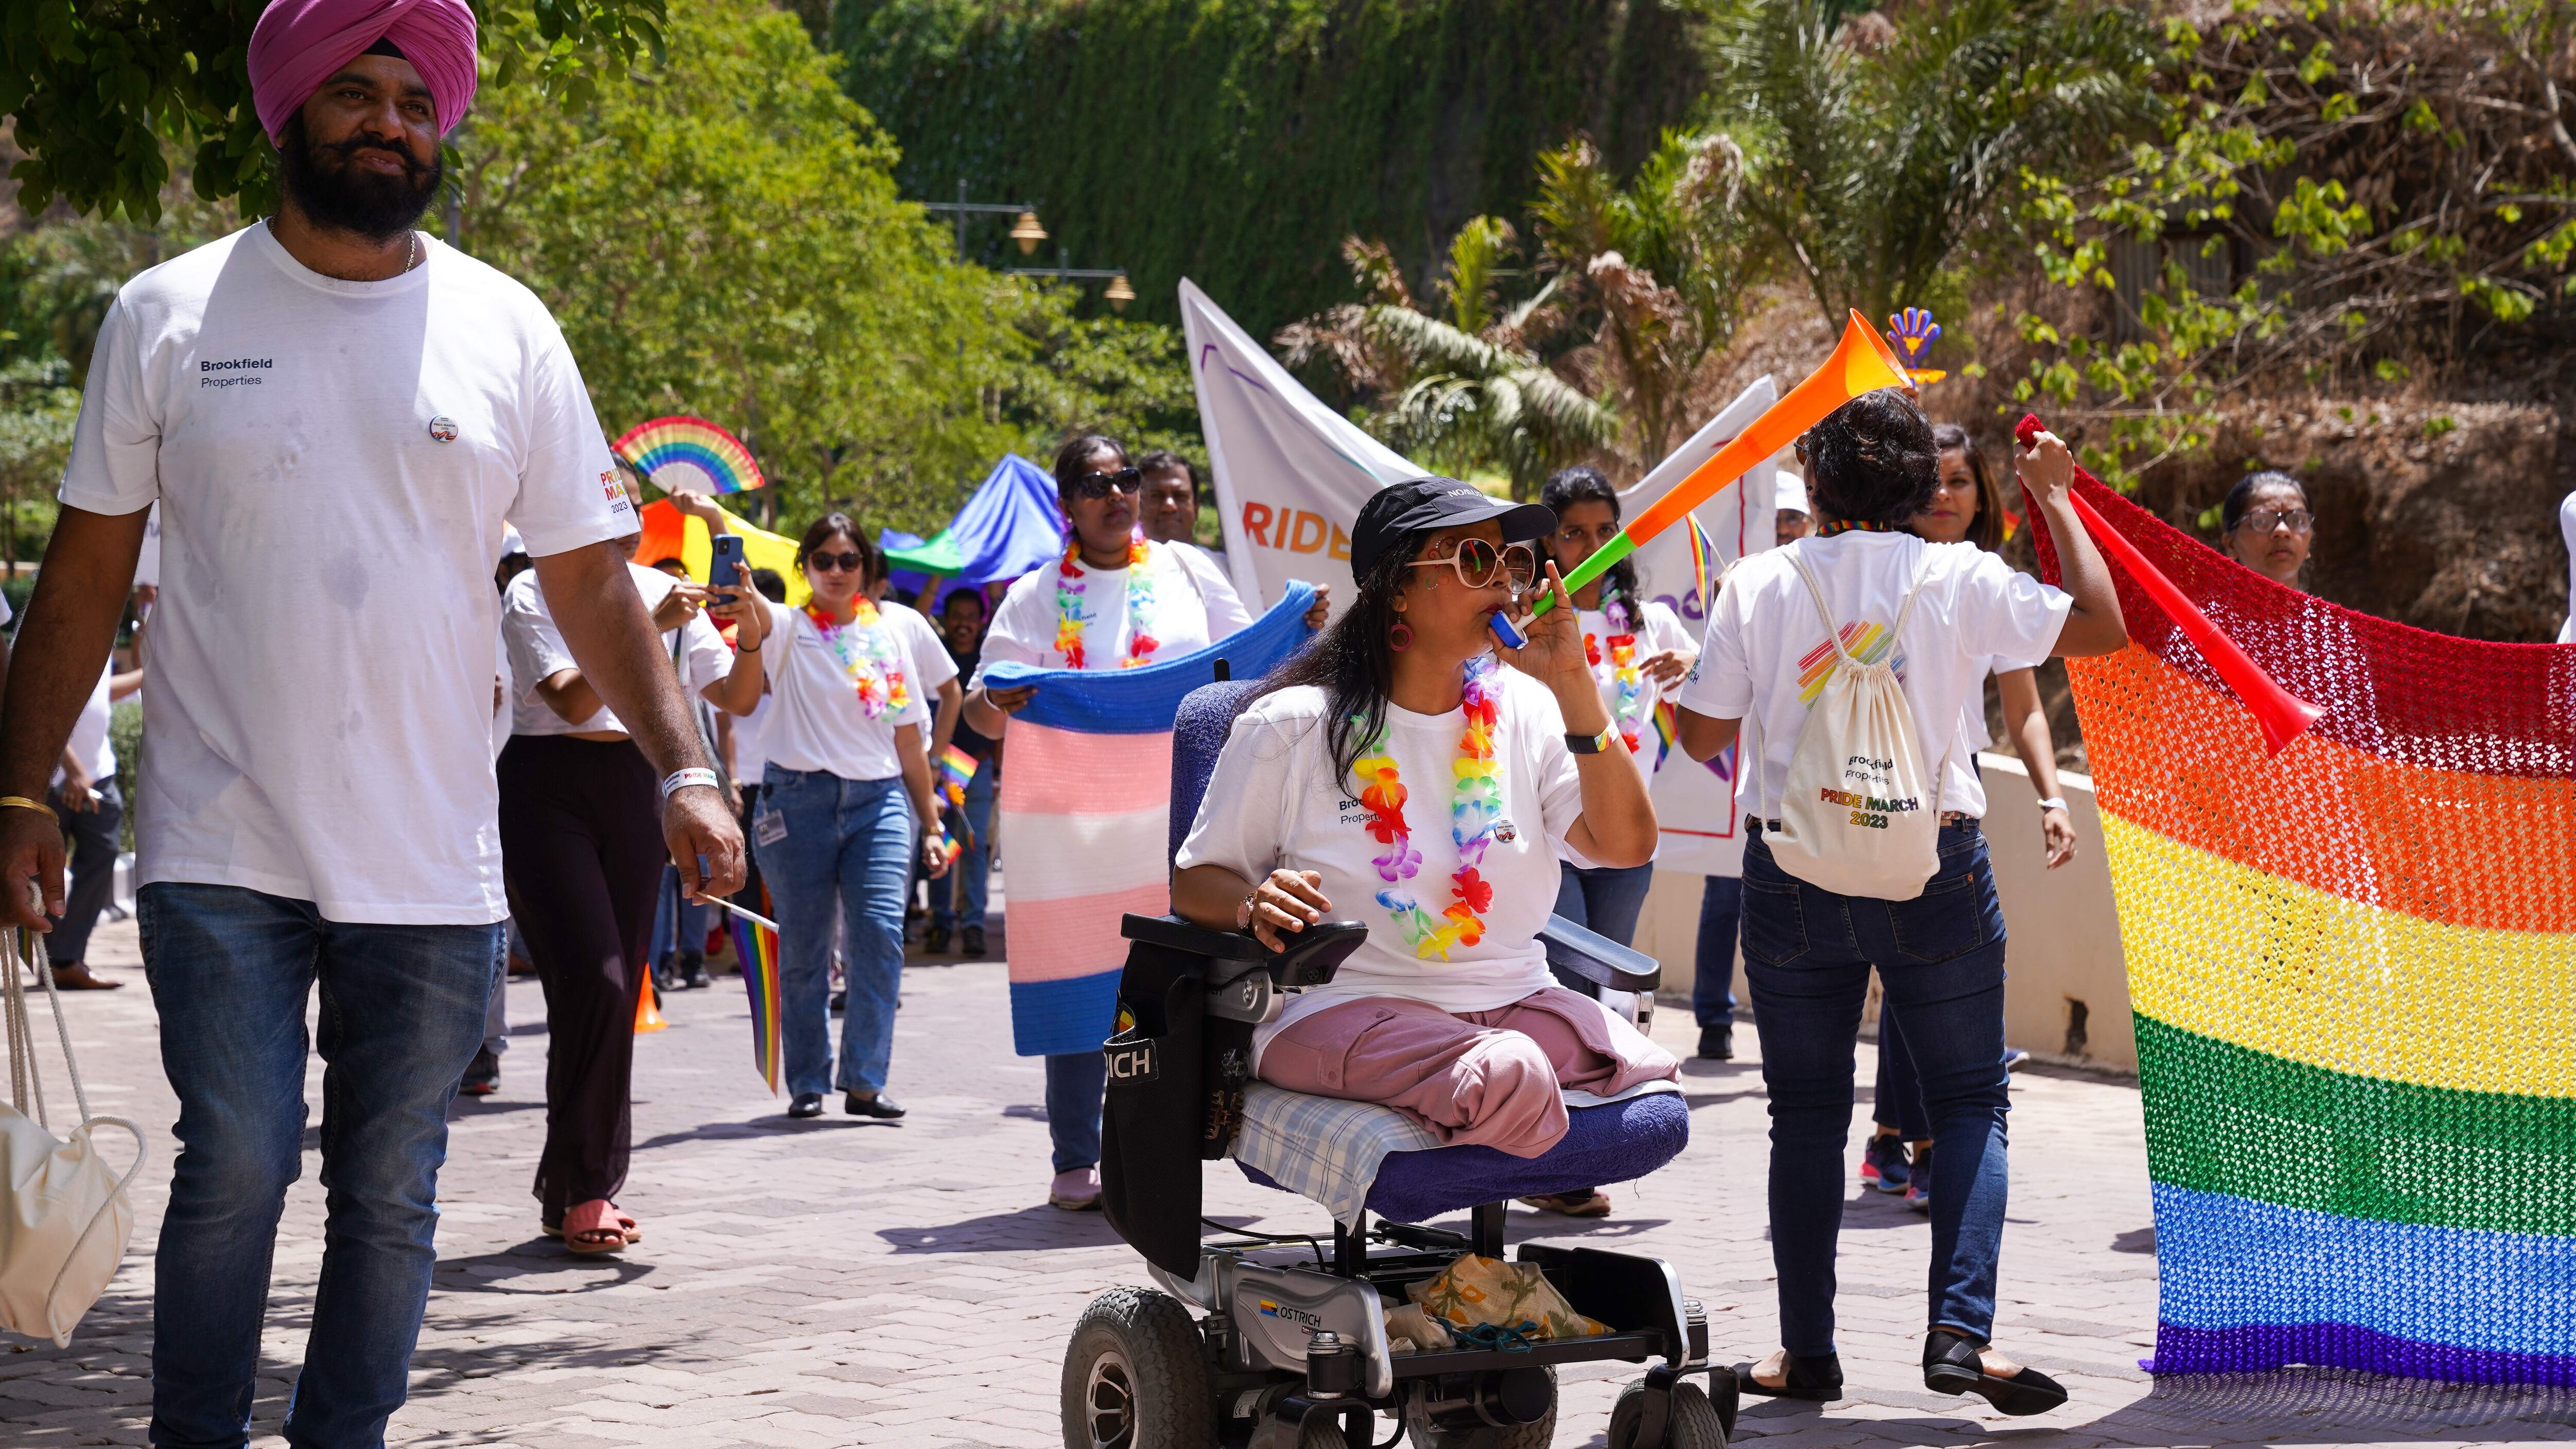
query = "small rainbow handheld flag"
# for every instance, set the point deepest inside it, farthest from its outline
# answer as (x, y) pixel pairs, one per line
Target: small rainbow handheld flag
(757, 948)
(956, 768)
(1700, 549)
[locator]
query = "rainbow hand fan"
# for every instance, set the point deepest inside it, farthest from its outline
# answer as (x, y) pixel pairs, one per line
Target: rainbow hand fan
(688, 455)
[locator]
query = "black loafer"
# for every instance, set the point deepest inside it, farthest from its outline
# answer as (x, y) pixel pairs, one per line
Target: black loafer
(1951, 1366)
(1817, 1380)
(880, 1106)
(805, 1104)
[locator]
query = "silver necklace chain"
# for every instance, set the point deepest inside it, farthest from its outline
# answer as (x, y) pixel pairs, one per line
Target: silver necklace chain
(411, 253)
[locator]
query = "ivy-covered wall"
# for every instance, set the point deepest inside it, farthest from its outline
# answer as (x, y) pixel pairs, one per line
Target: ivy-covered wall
(1237, 142)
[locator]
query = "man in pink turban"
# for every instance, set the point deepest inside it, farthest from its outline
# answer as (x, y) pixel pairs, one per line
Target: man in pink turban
(298, 44)
(337, 417)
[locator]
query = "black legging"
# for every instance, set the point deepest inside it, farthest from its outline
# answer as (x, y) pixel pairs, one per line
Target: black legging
(582, 853)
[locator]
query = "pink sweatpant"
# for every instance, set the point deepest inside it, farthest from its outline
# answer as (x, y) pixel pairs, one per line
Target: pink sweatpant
(1487, 1077)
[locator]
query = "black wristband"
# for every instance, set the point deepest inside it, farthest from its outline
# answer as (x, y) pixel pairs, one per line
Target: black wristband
(1590, 744)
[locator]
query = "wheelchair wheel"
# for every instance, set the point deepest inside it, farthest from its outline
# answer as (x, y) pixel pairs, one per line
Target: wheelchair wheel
(1538, 1434)
(1694, 1422)
(1135, 1376)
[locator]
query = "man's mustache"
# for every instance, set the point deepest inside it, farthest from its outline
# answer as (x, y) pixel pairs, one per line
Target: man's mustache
(348, 151)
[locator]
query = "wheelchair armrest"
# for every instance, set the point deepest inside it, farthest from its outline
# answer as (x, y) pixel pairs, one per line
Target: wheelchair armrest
(1313, 955)
(1176, 934)
(1596, 958)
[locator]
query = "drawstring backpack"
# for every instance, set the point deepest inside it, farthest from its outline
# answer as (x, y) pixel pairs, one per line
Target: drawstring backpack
(64, 1215)
(1859, 815)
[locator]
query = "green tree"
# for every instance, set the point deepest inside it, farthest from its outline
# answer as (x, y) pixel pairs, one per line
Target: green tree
(100, 92)
(37, 410)
(2334, 191)
(1883, 146)
(721, 235)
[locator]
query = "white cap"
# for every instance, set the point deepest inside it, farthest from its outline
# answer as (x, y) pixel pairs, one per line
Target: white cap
(1793, 492)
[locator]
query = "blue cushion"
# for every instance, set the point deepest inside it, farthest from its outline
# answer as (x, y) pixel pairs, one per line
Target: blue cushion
(1199, 733)
(1615, 1142)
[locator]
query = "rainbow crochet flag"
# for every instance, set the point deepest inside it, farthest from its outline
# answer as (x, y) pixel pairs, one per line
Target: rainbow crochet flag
(756, 947)
(2353, 968)
(1085, 813)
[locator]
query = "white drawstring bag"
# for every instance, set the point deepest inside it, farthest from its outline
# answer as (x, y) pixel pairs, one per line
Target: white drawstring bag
(1859, 815)
(64, 1215)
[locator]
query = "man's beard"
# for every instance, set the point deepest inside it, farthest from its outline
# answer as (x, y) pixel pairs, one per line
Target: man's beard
(336, 196)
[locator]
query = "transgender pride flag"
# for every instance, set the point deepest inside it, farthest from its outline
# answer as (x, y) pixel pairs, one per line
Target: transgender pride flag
(1085, 805)
(2352, 959)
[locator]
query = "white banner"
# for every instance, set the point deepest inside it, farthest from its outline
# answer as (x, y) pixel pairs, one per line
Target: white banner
(1290, 472)
(1695, 802)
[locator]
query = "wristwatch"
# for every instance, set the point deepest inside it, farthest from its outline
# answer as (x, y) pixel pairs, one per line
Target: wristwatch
(1591, 744)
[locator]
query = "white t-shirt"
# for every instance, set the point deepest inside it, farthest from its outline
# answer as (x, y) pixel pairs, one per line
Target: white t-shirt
(815, 719)
(1273, 802)
(750, 751)
(1766, 652)
(931, 665)
(1193, 607)
(1659, 630)
(334, 461)
(538, 652)
(89, 738)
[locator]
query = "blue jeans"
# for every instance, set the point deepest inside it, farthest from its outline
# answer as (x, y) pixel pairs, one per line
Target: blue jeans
(974, 866)
(1606, 900)
(1940, 960)
(1074, 1083)
(1721, 905)
(848, 847)
(678, 924)
(1899, 1100)
(402, 1013)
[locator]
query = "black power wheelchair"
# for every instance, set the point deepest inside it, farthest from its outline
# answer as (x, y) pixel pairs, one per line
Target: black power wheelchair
(1258, 1341)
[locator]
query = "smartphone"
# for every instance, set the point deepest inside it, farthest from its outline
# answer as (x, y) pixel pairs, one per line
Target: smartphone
(726, 571)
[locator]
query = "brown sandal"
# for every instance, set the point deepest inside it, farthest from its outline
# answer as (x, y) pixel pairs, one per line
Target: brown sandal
(615, 1233)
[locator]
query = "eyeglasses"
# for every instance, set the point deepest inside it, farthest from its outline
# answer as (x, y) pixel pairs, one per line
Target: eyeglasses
(1477, 563)
(831, 562)
(1101, 485)
(2266, 520)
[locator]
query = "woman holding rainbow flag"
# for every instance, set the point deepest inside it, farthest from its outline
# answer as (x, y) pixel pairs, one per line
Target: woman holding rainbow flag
(846, 806)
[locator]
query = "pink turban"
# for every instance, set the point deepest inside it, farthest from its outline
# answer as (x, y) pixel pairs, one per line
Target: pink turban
(299, 44)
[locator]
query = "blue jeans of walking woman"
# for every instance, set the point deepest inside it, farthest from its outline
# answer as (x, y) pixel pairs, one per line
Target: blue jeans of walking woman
(1940, 959)
(402, 1013)
(848, 848)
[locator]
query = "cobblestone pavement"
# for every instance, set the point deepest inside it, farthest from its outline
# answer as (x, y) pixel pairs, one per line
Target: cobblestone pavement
(836, 1282)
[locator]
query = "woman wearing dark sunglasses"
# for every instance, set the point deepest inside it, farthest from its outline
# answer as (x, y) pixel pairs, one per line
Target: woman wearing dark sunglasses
(1112, 601)
(846, 807)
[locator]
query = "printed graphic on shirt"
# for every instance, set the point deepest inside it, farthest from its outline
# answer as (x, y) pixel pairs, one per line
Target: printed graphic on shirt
(1865, 641)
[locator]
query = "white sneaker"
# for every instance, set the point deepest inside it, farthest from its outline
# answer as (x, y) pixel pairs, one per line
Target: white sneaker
(1075, 1191)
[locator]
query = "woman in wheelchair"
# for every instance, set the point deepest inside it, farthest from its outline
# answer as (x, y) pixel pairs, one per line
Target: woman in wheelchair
(1398, 772)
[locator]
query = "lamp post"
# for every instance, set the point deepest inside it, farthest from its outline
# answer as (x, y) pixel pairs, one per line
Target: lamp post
(1024, 226)
(1118, 294)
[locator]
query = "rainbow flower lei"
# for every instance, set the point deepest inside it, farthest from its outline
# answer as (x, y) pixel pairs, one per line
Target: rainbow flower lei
(1631, 708)
(868, 654)
(1475, 807)
(1069, 618)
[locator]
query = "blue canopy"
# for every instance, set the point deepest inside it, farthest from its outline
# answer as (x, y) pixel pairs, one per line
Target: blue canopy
(1009, 526)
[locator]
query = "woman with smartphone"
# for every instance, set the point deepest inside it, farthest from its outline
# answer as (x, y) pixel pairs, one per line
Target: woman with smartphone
(846, 807)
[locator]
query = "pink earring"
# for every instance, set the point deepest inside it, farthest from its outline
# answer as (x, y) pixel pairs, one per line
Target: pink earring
(1399, 637)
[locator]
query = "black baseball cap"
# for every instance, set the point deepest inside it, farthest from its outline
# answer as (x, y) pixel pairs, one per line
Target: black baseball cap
(1399, 509)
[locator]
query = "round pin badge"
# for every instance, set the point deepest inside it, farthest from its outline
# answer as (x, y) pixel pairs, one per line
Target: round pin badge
(443, 428)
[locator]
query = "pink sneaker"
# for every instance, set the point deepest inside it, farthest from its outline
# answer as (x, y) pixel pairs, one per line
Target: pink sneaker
(1076, 1191)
